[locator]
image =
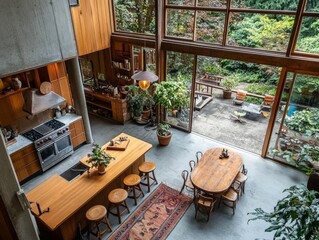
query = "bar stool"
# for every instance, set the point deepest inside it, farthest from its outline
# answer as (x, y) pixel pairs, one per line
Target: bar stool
(117, 197)
(96, 215)
(145, 169)
(132, 182)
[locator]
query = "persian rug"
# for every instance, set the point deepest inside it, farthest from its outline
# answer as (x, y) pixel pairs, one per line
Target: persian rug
(156, 217)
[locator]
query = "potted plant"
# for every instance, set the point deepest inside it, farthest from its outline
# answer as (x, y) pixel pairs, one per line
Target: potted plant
(99, 158)
(148, 103)
(134, 102)
(171, 94)
(164, 135)
(295, 216)
(228, 84)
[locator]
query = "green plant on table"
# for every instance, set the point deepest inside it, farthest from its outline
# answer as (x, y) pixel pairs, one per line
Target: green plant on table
(98, 157)
(295, 217)
(163, 129)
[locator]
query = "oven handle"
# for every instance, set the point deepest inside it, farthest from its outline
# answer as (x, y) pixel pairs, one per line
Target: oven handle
(45, 146)
(63, 136)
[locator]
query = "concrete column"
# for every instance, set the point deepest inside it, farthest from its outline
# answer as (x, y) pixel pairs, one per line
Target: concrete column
(77, 90)
(9, 186)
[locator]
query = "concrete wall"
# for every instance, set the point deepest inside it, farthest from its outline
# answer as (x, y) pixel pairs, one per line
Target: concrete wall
(34, 33)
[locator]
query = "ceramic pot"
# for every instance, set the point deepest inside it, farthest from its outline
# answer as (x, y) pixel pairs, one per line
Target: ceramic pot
(227, 94)
(101, 169)
(164, 140)
(16, 84)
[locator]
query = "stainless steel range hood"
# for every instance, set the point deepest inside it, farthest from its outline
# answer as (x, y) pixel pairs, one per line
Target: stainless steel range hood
(35, 102)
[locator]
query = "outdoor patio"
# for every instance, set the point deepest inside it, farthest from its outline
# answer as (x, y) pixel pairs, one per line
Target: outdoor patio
(215, 120)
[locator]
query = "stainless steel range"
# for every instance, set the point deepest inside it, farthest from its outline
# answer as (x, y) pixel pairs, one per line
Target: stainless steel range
(52, 141)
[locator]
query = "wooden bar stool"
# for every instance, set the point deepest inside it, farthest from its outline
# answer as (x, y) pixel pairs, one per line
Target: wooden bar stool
(146, 169)
(117, 197)
(132, 182)
(96, 215)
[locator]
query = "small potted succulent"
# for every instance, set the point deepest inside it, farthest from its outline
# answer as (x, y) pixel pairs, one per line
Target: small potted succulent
(164, 135)
(99, 158)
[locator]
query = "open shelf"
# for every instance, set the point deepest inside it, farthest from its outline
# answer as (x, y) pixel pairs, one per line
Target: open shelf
(100, 104)
(12, 92)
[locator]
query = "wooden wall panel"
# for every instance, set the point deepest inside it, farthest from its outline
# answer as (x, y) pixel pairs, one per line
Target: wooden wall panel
(7, 231)
(91, 22)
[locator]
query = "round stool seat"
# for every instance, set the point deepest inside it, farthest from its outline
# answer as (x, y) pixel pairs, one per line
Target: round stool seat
(96, 213)
(117, 195)
(132, 180)
(147, 167)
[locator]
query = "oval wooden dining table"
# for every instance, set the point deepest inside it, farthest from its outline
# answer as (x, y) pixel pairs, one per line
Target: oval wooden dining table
(214, 175)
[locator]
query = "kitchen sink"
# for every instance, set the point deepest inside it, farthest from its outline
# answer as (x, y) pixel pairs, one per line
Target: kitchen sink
(74, 172)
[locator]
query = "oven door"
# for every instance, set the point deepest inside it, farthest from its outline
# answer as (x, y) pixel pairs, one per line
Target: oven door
(63, 144)
(46, 153)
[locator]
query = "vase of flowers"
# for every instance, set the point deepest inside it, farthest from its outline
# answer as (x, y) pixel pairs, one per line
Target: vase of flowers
(99, 159)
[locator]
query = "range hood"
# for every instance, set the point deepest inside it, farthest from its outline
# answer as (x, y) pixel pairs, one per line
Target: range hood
(35, 102)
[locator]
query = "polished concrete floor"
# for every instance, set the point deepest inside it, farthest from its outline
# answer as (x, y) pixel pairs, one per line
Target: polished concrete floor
(266, 181)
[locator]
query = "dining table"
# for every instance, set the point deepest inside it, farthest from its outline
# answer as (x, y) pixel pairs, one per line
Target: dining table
(213, 174)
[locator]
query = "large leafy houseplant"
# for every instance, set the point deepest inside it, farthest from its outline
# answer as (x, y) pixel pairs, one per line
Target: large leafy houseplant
(171, 94)
(134, 101)
(295, 217)
(98, 158)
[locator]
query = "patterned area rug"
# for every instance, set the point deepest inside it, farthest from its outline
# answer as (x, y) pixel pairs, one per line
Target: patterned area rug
(156, 217)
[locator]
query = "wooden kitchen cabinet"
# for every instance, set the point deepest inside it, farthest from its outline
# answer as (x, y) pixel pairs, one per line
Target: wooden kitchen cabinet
(107, 107)
(92, 25)
(25, 162)
(77, 133)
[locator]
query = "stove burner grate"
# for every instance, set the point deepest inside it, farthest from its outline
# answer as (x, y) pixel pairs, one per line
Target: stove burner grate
(32, 135)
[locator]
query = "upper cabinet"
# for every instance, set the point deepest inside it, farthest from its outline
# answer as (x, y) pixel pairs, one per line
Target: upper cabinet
(92, 25)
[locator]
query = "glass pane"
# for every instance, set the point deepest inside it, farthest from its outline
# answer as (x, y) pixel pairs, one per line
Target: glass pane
(220, 114)
(180, 23)
(309, 36)
(266, 4)
(179, 68)
(212, 3)
(210, 26)
(181, 2)
(295, 140)
(263, 31)
(150, 59)
(312, 6)
(135, 16)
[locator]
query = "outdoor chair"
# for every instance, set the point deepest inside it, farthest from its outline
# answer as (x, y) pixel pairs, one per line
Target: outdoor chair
(203, 203)
(240, 97)
(267, 103)
(187, 184)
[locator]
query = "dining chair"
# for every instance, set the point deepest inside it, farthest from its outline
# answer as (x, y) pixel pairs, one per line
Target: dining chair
(229, 199)
(192, 165)
(187, 184)
(244, 170)
(199, 155)
(204, 204)
(241, 179)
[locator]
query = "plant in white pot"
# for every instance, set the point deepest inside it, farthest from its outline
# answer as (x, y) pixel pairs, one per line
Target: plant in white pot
(164, 134)
(99, 159)
(228, 84)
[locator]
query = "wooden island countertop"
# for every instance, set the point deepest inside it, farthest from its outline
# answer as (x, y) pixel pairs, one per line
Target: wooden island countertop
(68, 201)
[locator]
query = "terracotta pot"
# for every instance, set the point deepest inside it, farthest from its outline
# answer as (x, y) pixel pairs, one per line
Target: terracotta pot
(101, 169)
(146, 114)
(227, 94)
(164, 140)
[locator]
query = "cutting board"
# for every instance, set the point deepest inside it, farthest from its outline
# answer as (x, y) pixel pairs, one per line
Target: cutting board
(118, 145)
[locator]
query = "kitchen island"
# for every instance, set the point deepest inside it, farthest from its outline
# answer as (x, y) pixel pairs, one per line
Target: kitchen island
(68, 201)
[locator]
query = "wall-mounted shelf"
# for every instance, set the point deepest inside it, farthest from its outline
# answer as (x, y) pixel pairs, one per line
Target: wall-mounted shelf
(7, 94)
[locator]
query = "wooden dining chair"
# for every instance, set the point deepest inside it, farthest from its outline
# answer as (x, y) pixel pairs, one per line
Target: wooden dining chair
(229, 199)
(192, 165)
(244, 170)
(241, 179)
(204, 203)
(187, 184)
(199, 155)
